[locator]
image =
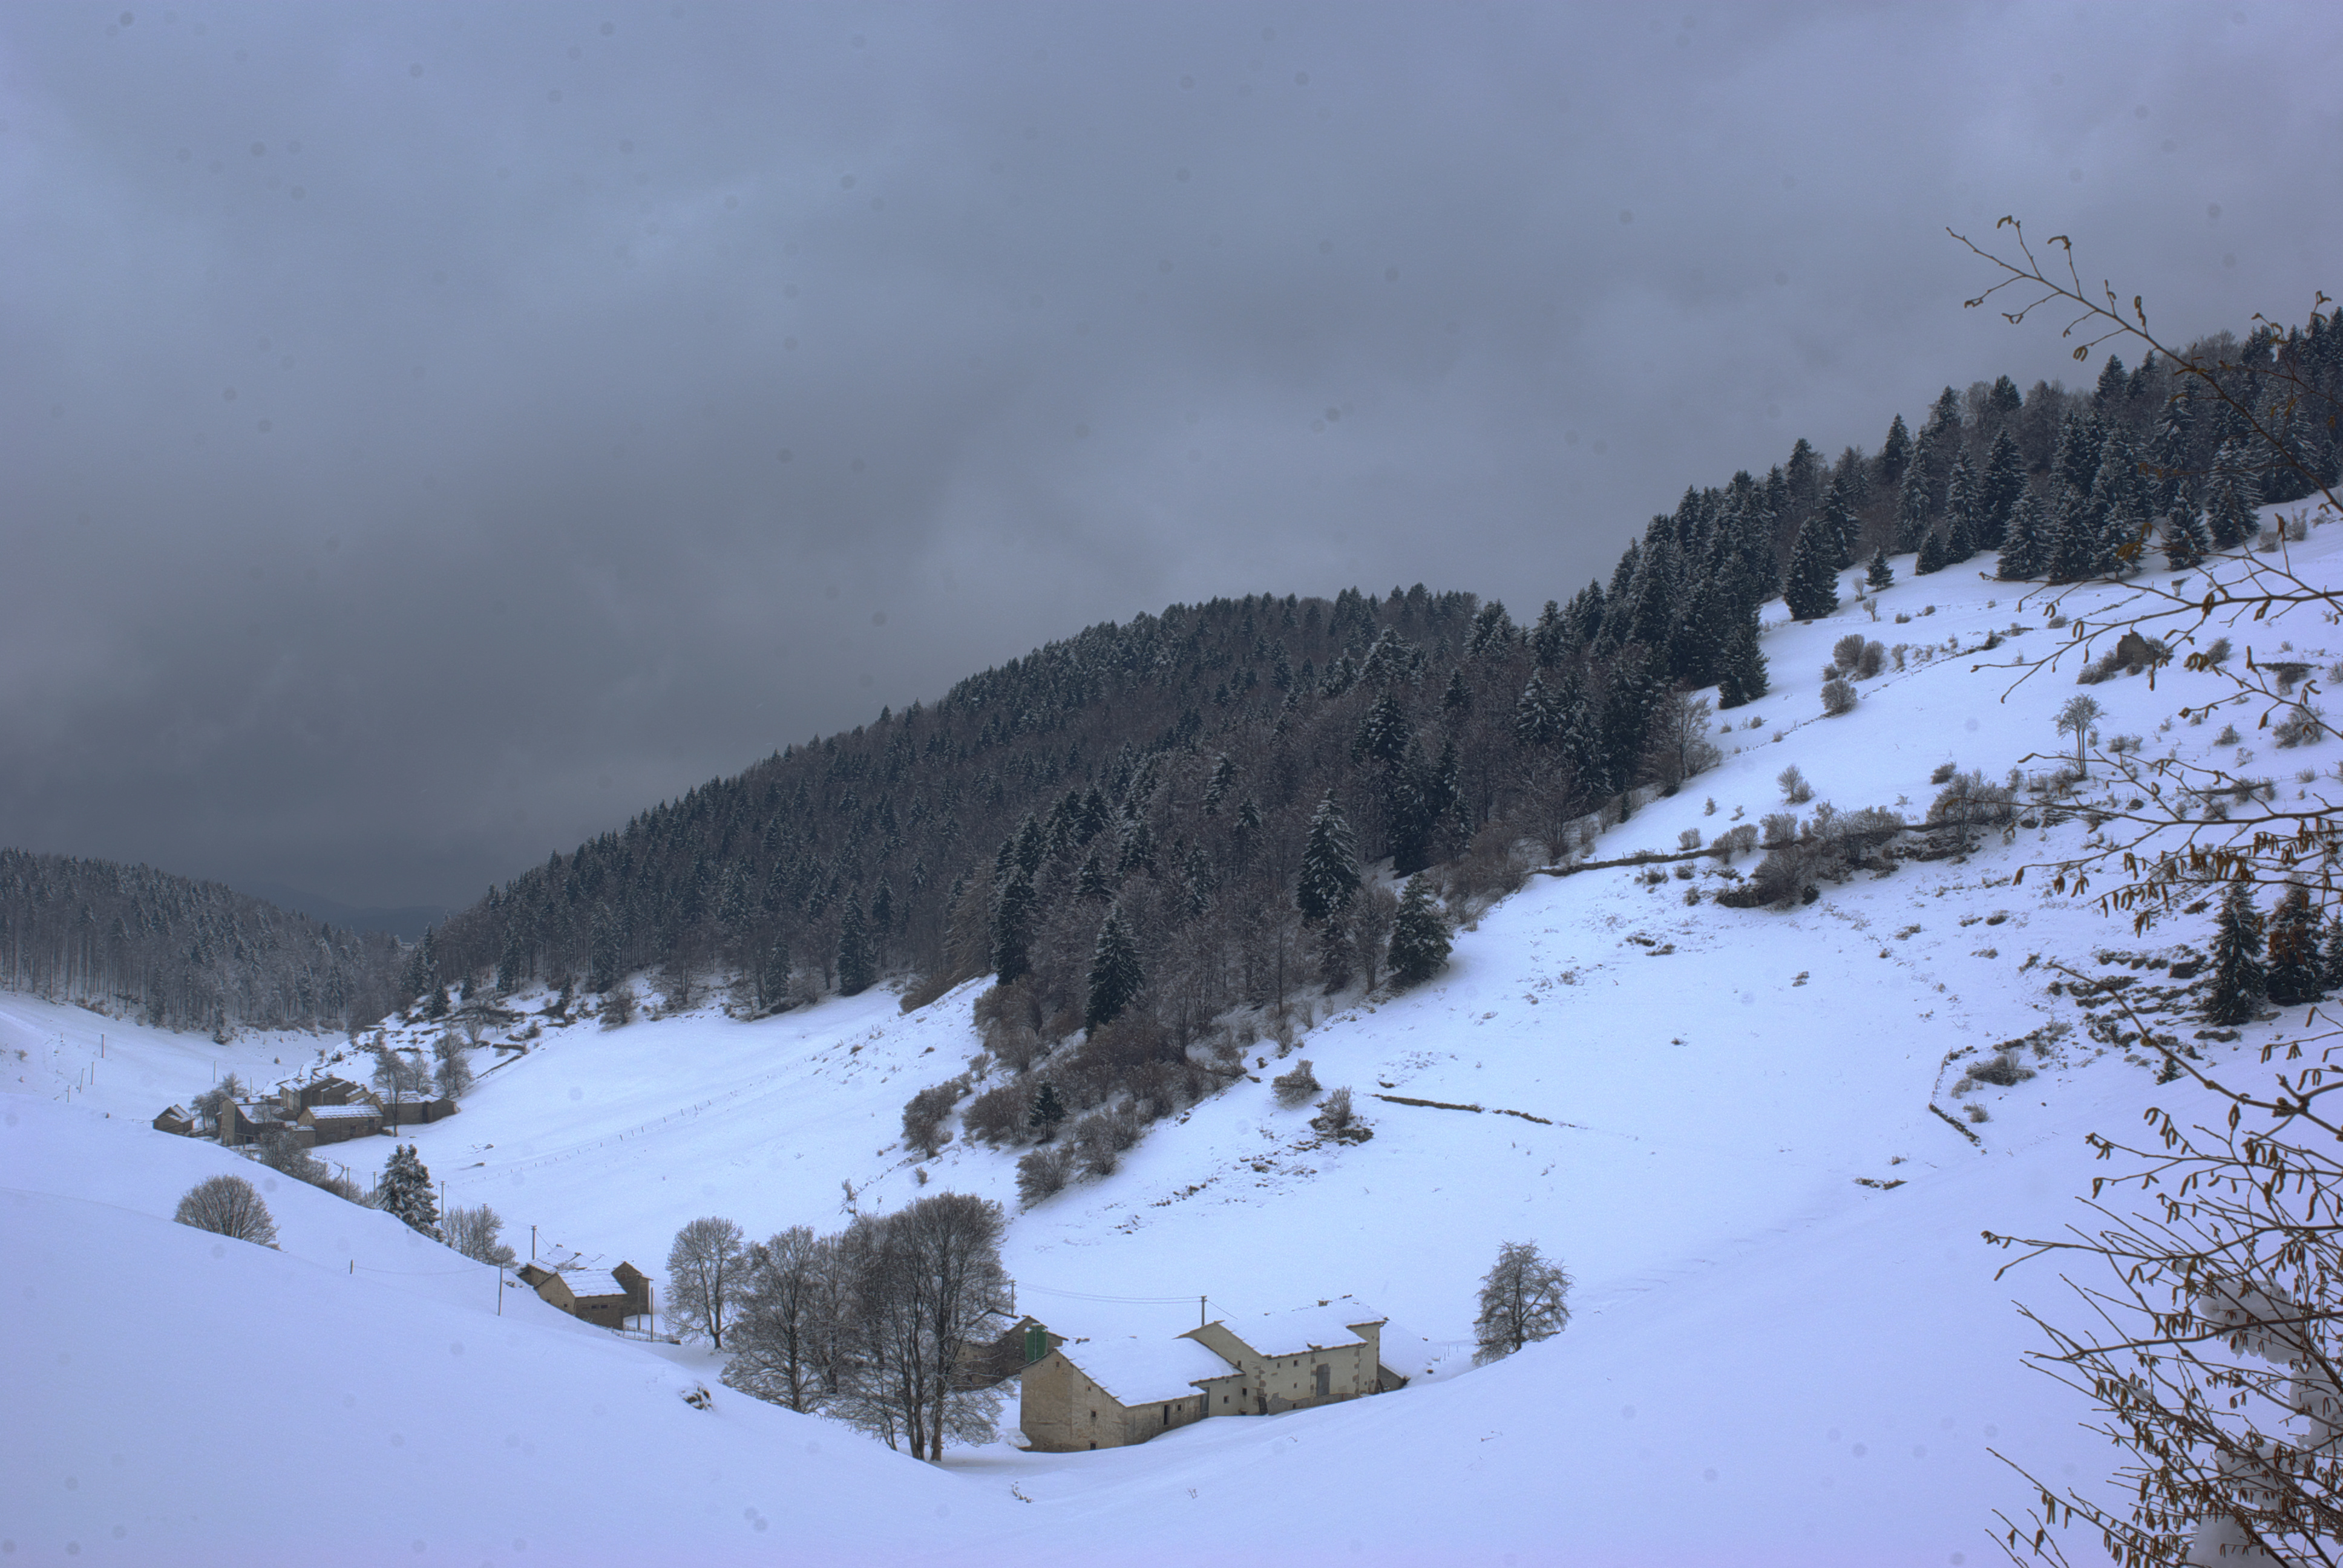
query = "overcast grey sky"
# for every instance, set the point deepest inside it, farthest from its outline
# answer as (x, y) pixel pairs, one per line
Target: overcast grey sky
(432, 433)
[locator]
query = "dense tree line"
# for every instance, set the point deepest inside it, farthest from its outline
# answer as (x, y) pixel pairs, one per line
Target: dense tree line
(182, 954)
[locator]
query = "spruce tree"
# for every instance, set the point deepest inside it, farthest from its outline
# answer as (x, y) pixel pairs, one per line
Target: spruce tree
(405, 1191)
(2238, 982)
(1895, 453)
(2230, 500)
(855, 968)
(1932, 554)
(1880, 575)
(2330, 959)
(2186, 541)
(2024, 550)
(1046, 1113)
(1536, 720)
(1843, 529)
(1913, 513)
(1811, 590)
(1963, 504)
(1998, 494)
(1013, 927)
(2075, 543)
(1330, 864)
(1419, 938)
(1741, 670)
(773, 976)
(2294, 978)
(1116, 977)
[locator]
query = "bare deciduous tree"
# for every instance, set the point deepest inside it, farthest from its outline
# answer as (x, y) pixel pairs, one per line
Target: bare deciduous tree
(475, 1234)
(705, 1277)
(1522, 1298)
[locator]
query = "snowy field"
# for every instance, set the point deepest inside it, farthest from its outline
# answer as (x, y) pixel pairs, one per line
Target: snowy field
(1789, 1346)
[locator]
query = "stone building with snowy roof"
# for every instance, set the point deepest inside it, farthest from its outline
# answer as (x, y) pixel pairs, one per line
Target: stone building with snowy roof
(607, 1299)
(337, 1124)
(1112, 1390)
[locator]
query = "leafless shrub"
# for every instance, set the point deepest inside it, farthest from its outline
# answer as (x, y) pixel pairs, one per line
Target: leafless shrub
(925, 1113)
(1847, 651)
(1839, 697)
(227, 1206)
(1295, 1087)
(2302, 726)
(1042, 1174)
(1795, 788)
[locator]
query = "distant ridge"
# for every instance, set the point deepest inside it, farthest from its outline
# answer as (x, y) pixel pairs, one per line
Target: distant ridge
(181, 954)
(407, 921)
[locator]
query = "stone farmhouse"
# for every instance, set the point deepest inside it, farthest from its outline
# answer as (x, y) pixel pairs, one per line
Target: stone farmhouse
(604, 1299)
(1112, 1390)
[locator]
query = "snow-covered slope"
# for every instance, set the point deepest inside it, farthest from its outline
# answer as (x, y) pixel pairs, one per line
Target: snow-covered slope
(1789, 1344)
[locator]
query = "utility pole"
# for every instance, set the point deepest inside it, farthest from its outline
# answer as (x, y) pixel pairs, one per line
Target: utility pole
(1200, 1311)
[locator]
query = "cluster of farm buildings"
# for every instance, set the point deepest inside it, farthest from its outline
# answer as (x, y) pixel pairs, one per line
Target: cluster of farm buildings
(321, 1110)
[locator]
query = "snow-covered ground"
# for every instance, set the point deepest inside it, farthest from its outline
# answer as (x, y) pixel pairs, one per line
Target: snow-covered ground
(1789, 1344)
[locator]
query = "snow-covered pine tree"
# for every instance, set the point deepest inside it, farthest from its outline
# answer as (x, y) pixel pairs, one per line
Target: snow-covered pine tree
(1913, 512)
(2294, 976)
(1997, 492)
(2330, 958)
(2230, 497)
(2187, 540)
(1536, 720)
(1012, 922)
(2073, 554)
(1116, 977)
(1879, 575)
(855, 968)
(405, 1193)
(1330, 864)
(773, 975)
(1895, 453)
(1741, 669)
(1419, 938)
(2238, 982)
(2120, 502)
(1933, 554)
(1962, 506)
(1811, 590)
(2025, 551)
(1843, 529)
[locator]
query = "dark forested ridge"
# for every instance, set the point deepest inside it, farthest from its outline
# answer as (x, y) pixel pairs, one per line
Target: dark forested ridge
(1169, 770)
(181, 954)
(1147, 824)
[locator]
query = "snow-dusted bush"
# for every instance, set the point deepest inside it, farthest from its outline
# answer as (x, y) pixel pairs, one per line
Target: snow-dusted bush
(227, 1206)
(1042, 1174)
(924, 1115)
(1795, 788)
(1839, 697)
(1295, 1087)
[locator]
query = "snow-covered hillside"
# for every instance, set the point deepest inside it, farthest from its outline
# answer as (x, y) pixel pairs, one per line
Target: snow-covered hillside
(1737, 1127)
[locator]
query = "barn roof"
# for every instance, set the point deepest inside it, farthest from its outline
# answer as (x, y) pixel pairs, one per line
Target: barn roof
(1138, 1371)
(1299, 1330)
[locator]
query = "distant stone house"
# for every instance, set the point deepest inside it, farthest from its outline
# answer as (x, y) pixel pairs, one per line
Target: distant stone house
(605, 1299)
(1112, 1391)
(242, 1121)
(339, 1123)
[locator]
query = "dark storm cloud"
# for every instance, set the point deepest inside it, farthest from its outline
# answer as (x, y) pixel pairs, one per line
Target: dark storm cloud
(435, 433)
